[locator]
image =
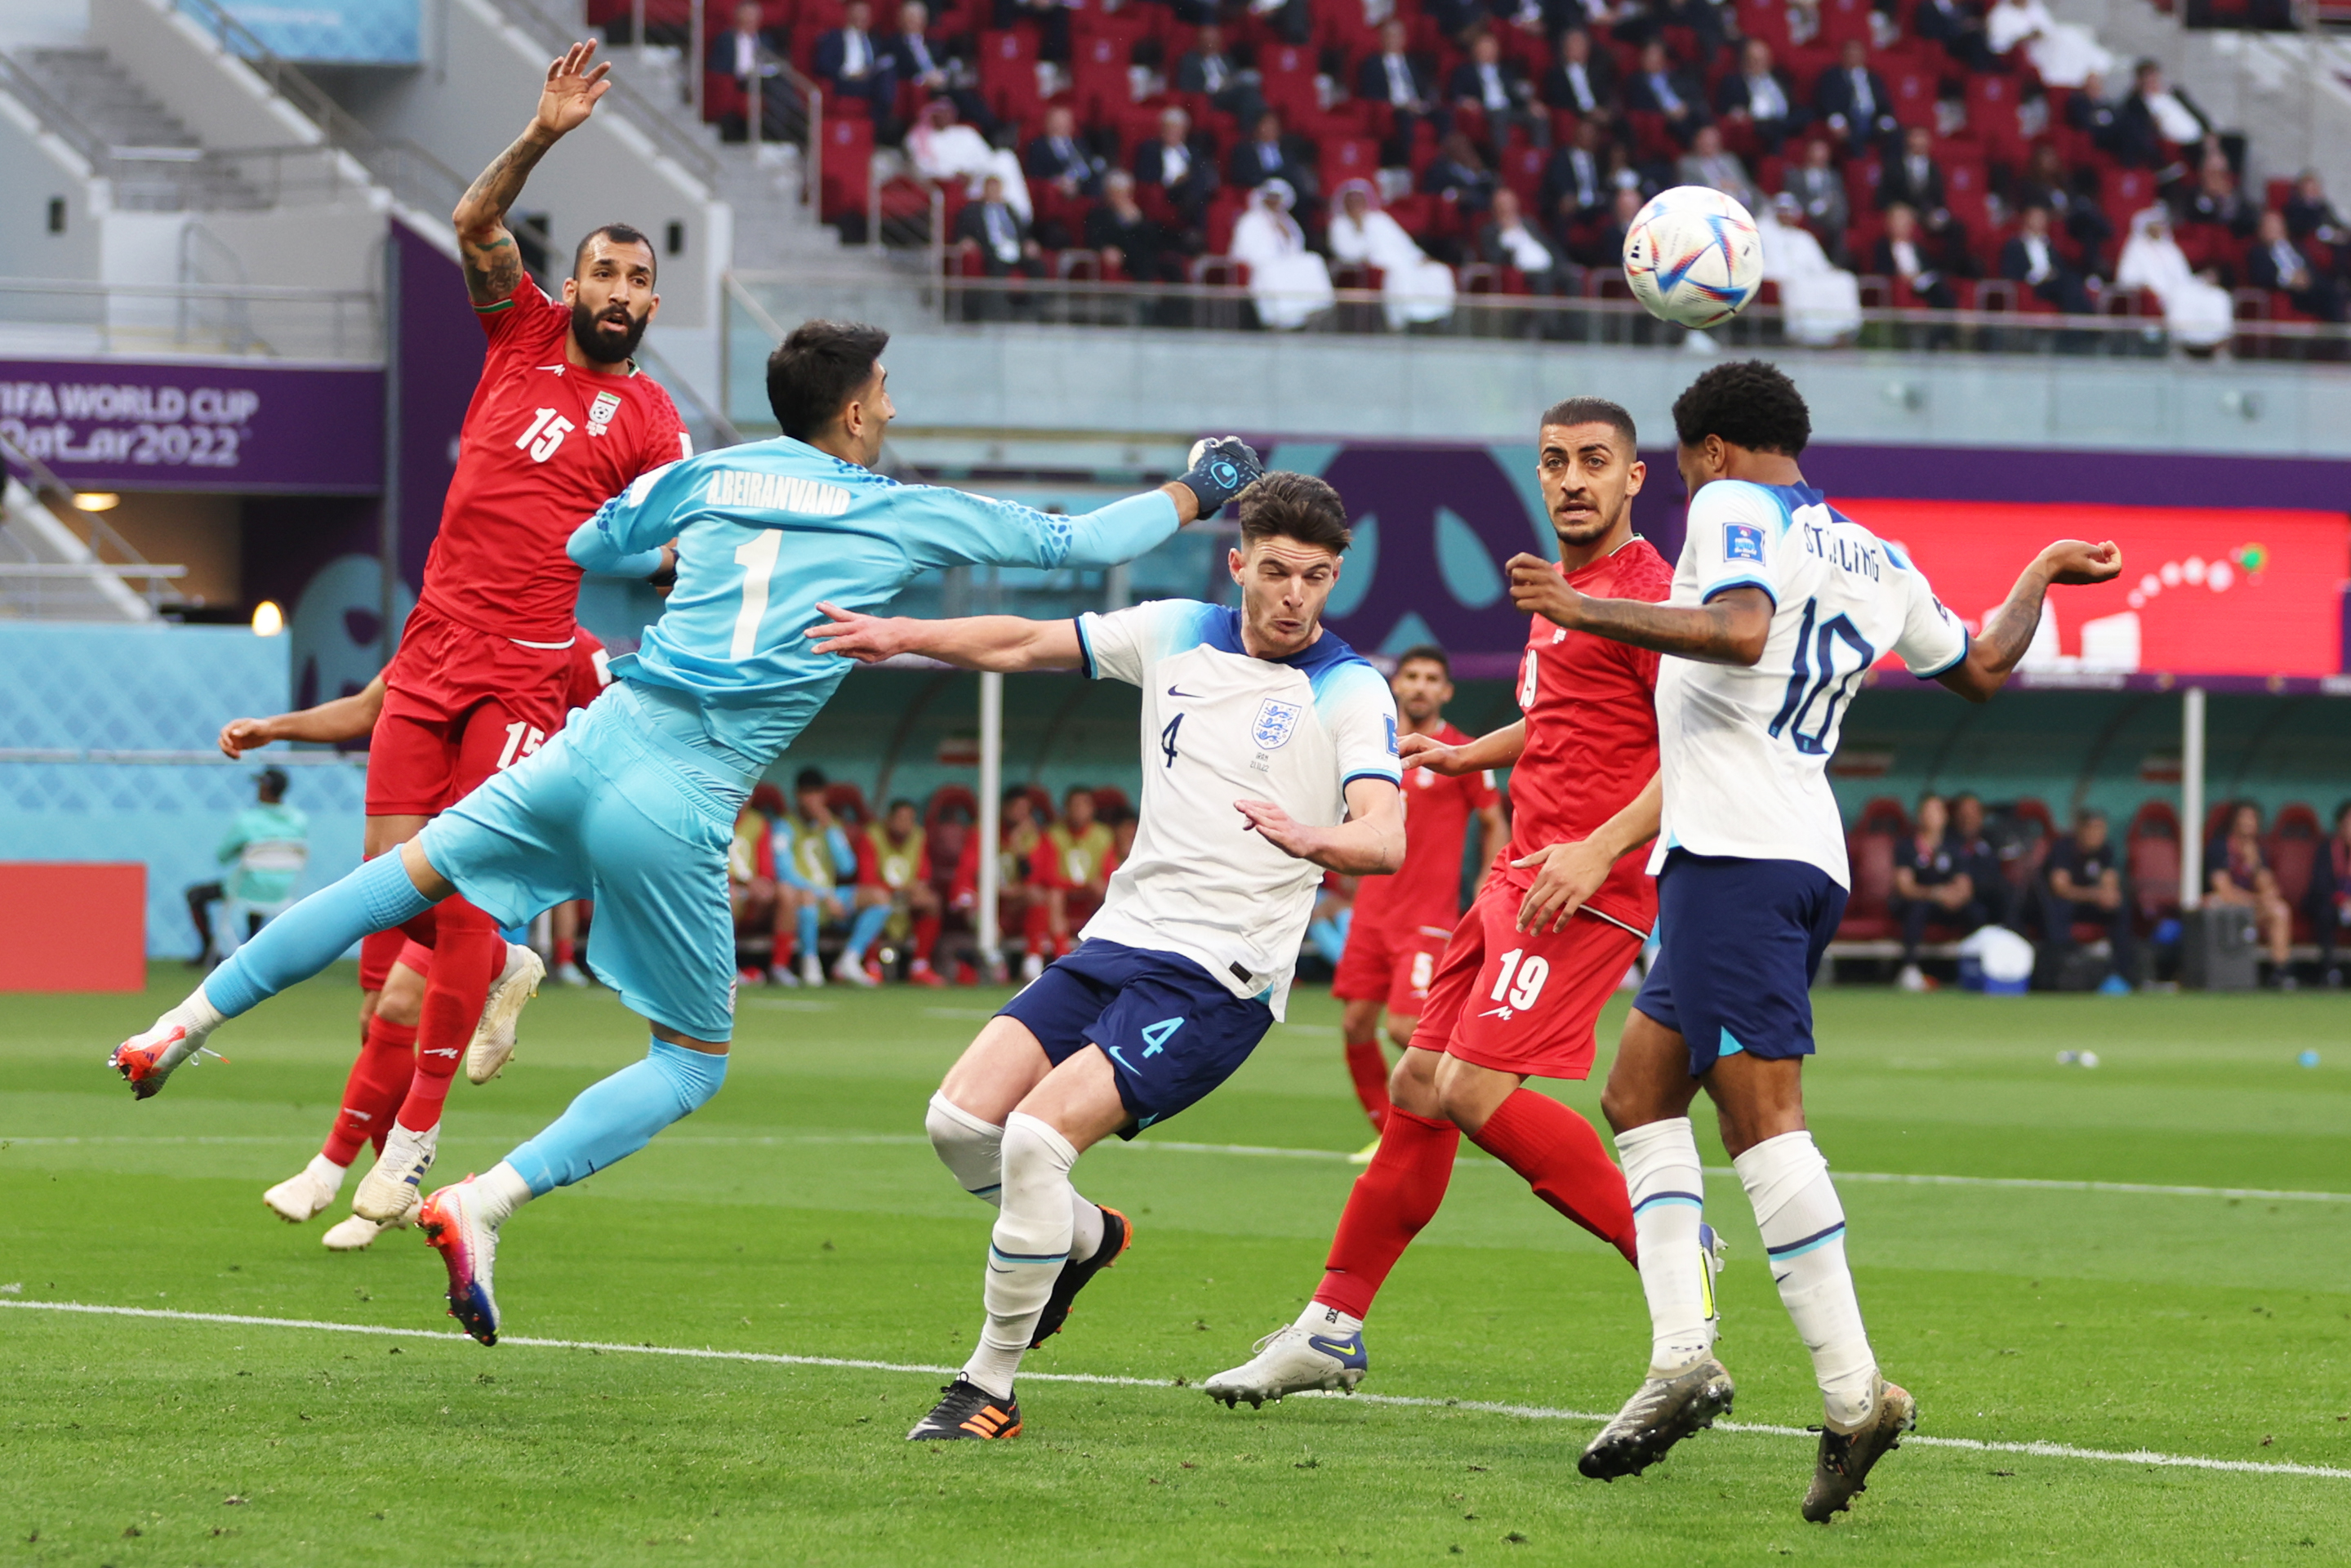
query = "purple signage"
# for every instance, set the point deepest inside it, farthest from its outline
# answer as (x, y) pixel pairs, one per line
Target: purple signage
(260, 428)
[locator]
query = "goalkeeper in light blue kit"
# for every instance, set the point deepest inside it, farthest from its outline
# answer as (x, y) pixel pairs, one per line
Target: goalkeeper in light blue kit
(633, 804)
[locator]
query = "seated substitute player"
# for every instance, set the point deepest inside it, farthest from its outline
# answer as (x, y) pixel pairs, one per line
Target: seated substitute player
(818, 868)
(1781, 605)
(633, 805)
(1071, 871)
(1547, 942)
(380, 1078)
(1257, 711)
(1401, 923)
(897, 859)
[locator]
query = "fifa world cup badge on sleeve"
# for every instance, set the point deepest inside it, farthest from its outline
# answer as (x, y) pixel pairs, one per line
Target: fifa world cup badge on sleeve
(1743, 541)
(1276, 722)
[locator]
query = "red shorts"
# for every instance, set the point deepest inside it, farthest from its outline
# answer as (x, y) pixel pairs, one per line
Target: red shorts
(1523, 1001)
(1392, 967)
(459, 706)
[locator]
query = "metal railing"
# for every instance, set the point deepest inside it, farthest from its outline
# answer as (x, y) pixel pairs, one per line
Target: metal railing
(50, 493)
(1207, 301)
(270, 321)
(414, 176)
(672, 140)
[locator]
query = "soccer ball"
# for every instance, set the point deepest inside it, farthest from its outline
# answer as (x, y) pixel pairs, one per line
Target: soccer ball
(1693, 257)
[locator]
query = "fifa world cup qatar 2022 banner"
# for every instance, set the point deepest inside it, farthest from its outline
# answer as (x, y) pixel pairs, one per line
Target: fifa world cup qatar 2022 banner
(2249, 593)
(248, 429)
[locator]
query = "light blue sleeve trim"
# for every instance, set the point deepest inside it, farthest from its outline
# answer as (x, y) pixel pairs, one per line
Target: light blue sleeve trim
(1967, 644)
(1745, 580)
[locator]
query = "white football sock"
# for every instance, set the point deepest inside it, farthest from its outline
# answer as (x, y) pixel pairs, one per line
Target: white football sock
(973, 1152)
(327, 1171)
(1668, 1192)
(502, 1190)
(1319, 1319)
(1027, 1250)
(196, 1014)
(1802, 1223)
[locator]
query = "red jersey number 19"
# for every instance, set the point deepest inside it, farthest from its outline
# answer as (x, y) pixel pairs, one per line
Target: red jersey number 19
(1530, 976)
(1527, 683)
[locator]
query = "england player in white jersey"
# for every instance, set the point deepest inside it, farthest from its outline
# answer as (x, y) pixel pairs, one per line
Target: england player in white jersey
(1781, 604)
(1268, 757)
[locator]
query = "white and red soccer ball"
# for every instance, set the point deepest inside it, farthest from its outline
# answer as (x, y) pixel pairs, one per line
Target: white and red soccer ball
(1693, 257)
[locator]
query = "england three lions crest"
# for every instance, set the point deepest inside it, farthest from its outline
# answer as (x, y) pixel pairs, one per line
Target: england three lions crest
(1277, 721)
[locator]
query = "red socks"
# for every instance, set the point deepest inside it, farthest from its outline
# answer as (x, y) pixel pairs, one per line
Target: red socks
(373, 1091)
(1369, 1069)
(564, 950)
(467, 954)
(1561, 1157)
(926, 937)
(1390, 1205)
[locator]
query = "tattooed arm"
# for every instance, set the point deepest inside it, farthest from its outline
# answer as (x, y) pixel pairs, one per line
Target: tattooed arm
(2008, 632)
(493, 265)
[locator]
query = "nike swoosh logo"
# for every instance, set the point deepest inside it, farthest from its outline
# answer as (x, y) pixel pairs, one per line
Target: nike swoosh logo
(1173, 693)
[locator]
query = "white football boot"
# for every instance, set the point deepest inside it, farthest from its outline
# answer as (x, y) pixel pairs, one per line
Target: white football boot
(306, 1194)
(453, 1227)
(1291, 1360)
(493, 1045)
(390, 1191)
(353, 1234)
(811, 970)
(848, 973)
(569, 975)
(149, 1057)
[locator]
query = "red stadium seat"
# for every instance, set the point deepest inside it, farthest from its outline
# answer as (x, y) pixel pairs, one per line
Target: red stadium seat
(1883, 814)
(2151, 860)
(1346, 157)
(848, 167)
(1868, 916)
(2296, 842)
(1913, 92)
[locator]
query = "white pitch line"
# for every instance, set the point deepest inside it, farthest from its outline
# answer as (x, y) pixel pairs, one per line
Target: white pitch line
(1267, 1151)
(1480, 1406)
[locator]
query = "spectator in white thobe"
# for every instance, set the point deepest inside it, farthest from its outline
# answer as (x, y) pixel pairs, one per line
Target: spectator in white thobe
(1413, 289)
(2197, 312)
(1289, 284)
(941, 148)
(1821, 303)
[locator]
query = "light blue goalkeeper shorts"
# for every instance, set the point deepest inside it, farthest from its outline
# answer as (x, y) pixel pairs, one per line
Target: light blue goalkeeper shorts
(611, 808)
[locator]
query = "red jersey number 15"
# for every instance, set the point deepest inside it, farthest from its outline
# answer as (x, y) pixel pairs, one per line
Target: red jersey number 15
(546, 432)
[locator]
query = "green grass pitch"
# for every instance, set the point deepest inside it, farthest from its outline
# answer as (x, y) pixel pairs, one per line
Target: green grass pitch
(802, 1215)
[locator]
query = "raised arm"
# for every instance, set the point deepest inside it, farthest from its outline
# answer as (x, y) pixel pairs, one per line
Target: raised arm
(1370, 843)
(343, 718)
(485, 244)
(1729, 629)
(1007, 642)
(1496, 748)
(2008, 632)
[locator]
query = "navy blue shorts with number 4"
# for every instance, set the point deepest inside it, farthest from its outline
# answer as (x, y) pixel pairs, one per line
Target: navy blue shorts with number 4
(1738, 944)
(1172, 1033)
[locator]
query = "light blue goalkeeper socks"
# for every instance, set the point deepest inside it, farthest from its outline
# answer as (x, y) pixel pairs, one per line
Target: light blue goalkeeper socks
(869, 924)
(614, 1118)
(315, 933)
(806, 928)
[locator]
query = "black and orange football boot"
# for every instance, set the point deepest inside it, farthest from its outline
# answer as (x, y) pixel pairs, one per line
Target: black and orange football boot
(1118, 1235)
(967, 1411)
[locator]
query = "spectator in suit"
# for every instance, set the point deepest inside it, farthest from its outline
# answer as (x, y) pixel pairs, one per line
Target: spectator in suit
(1270, 155)
(1575, 186)
(1581, 79)
(2090, 112)
(1208, 70)
(748, 52)
(1819, 188)
(1125, 238)
(998, 234)
(1853, 99)
(1658, 88)
(2236, 872)
(1051, 18)
(1706, 164)
(852, 63)
(2274, 262)
(2217, 200)
(2082, 882)
(2156, 119)
(1393, 77)
(1914, 178)
(2031, 257)
(1179, 165)
(1978, 859)
(2330, 894)
(932, 65)
(1958, 27)
(1761, 95)
(1061, 158)
(1458, 174)
(1488, 82)
(1606, 246)
(2076, 211)
(1506, 239)
(1929, 885)
(1906, 252)
(2311, 217)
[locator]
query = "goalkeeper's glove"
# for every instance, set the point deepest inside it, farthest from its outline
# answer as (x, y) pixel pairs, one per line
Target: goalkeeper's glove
(1222, 467)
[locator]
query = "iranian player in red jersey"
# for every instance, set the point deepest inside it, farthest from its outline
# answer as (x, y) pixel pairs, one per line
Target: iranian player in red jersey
(1546, 942)
(1402, 922)
(561, 422)
(390, 1008)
